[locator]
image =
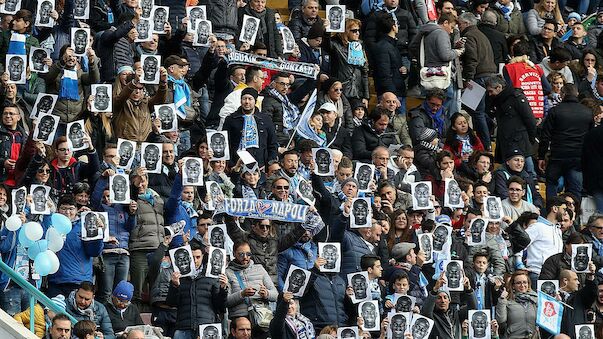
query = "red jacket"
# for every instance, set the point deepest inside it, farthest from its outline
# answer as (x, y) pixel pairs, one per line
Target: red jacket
(458, 159)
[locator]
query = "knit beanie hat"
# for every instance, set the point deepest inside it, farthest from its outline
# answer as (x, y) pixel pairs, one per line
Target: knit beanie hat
(428, 135)
(250, 91)
(59, 300)
(316, 31)
(352, 180)
(574, 15)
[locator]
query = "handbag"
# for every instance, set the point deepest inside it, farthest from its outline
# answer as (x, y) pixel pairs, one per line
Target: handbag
(259, 314)
(433, 77)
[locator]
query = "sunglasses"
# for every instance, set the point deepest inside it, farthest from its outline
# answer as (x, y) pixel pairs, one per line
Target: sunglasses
(44, 171)
(264, 226)
(244, 254)
(355, 30)
(281, 187)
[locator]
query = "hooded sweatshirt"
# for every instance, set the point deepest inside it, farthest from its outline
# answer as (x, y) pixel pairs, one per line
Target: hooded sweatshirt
(437, 46)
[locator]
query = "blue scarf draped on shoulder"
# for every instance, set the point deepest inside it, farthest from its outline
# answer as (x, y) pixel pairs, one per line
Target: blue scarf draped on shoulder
(69, 86)
(182, 94)
(17, 44)
(438, 118)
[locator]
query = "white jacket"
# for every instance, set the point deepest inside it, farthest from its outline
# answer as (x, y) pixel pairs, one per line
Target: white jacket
(545, 241)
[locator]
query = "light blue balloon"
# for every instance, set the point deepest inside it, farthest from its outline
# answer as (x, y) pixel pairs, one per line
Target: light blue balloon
(42, 264)
(61, 223)
(37, 248)
(23, 239)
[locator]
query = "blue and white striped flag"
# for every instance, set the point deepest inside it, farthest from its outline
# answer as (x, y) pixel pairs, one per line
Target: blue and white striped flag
(303, 127)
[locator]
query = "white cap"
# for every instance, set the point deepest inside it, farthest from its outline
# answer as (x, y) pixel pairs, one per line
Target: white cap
(328, 106)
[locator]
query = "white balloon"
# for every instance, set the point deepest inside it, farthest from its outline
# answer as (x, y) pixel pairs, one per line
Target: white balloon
(55, 240)
(33, 231)
(54, 260)
(13, 223)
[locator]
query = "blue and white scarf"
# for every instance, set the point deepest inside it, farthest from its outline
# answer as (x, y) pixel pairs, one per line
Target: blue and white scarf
(69, 86)
(505, 10)
(182, 95)
(290, 111)
(17, 44)
(248, 192)
(250, 137)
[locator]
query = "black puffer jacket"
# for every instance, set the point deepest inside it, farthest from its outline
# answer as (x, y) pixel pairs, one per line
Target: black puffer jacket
(354, 78)
(516, 123)
(199, 301)
(272, 37)
(387, 68)
(407, 29)
(300, 25)
(162, 183)
(223, 16)
(365, 140)
(339, 137)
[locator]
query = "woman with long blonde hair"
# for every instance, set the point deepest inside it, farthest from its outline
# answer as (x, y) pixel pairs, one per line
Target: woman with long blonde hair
(542, 11)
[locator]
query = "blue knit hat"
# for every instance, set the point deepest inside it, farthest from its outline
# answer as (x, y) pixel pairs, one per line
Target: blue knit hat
(59, 300)
(574, 15)
(123, 291)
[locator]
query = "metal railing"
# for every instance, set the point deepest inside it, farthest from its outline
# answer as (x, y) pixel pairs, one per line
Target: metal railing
(35, 294)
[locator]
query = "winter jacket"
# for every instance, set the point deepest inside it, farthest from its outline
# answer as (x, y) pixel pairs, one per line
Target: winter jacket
(199, 299)
(75, 256)
(120, 320)
(353, 77)
(252, 276)
(503, 173)
(534, 22)
(159, 277)
(163, 182)
(271, 37)
(575, 49)
(515, 320)
(148, 232)
(513, 27)
(223, 15)
(448, 324)
(5, 36)
(69, 110)
(540, 50)
(497, 41)
(325, 302)
(564, 129)
(593, 33)
(121, 222)
(387, 68)
(282, 325)
(268, 142)
(338, 137)
(134, 119)
(581, 301)
(108, 41)
(98, 315)
(62, 180)
(457, 151)
(39, 320)
(175, 210)
(265, 250)
(478, 59)
(365, 140)
(420, 119)
(353, 246)
(516, 123)
(546, 240)
(307, 55)
(407, 29)
(438, 49)
(347, 116)
(592, 161)
(11, 250)
(99, 16)
(496, 260)
(177, 11)
(300, 25)
(11, 144)
(301, 255)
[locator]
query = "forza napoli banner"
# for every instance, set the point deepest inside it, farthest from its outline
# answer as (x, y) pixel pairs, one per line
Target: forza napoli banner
(297, 68)
(265, 209)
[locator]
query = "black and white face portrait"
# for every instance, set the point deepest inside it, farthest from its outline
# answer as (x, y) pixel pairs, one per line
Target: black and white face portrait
(192, 172)
(336, 16)
(452, 197)
(11, 6)
(581, 255)
(420, 327)
(125, 152)
(369, 311)
(102, 98)
(479, 326)
(359, 283)
(214, 191)
(306, 192)
(296, 280)
(166, 114)
(150, 68)
(548, 287)
(151, 157)
(288, 40)
(211, 331)
(182, 260)
(81, 10)
(90, 229)
(330, 252)
(216, 236)
(493, 208)
(39, 195)
(249, 29)
(119, 189)
(425, 243)
(347, 332)
(323, 158)
(75, 135)
(440, 237)
(364, 175)
(79, 40)
(397, 326)
(404, 303)
(454, 275)
(18, 200)
(144, 30)
(36, 59)
(585, 331)
(477, 230)
(218, 143)
(147, 7)
(217, 262)
(15, 66)
(44, 105)
(421, 194)
(46, 128)
(195, 13)
(360, 213)
(43, 18)
(160, 17)
(202, 33)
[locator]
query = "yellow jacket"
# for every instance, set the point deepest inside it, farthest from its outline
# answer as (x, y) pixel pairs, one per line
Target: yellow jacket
(39, 320)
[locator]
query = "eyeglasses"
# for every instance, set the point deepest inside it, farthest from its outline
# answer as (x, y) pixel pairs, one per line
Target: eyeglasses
(65, 150)
(264, 226)
(244, 254)
(43, 171)
(338, 89)
(598, 228)
(286, 84)
(355, 30)
(8, 114)
(281, 187)
(437, 206)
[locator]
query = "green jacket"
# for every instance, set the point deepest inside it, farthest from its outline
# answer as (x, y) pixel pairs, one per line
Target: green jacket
(5, 40)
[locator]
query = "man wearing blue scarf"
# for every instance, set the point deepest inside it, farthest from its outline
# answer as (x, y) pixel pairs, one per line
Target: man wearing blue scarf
(430, 114)
(19, 39)
(179, 92)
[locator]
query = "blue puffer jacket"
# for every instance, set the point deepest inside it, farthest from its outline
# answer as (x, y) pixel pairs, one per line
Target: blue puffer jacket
(121, 221)
(353, 247)
(301, 255)
(325, 302)
(99, 315)
(75, 256)
(175, 210)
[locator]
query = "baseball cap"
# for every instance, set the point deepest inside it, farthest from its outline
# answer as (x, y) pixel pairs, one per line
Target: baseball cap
(123, 291)
(328, 106)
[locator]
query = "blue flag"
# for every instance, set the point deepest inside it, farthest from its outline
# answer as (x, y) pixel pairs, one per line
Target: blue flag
(303, 125)
(549, 314)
